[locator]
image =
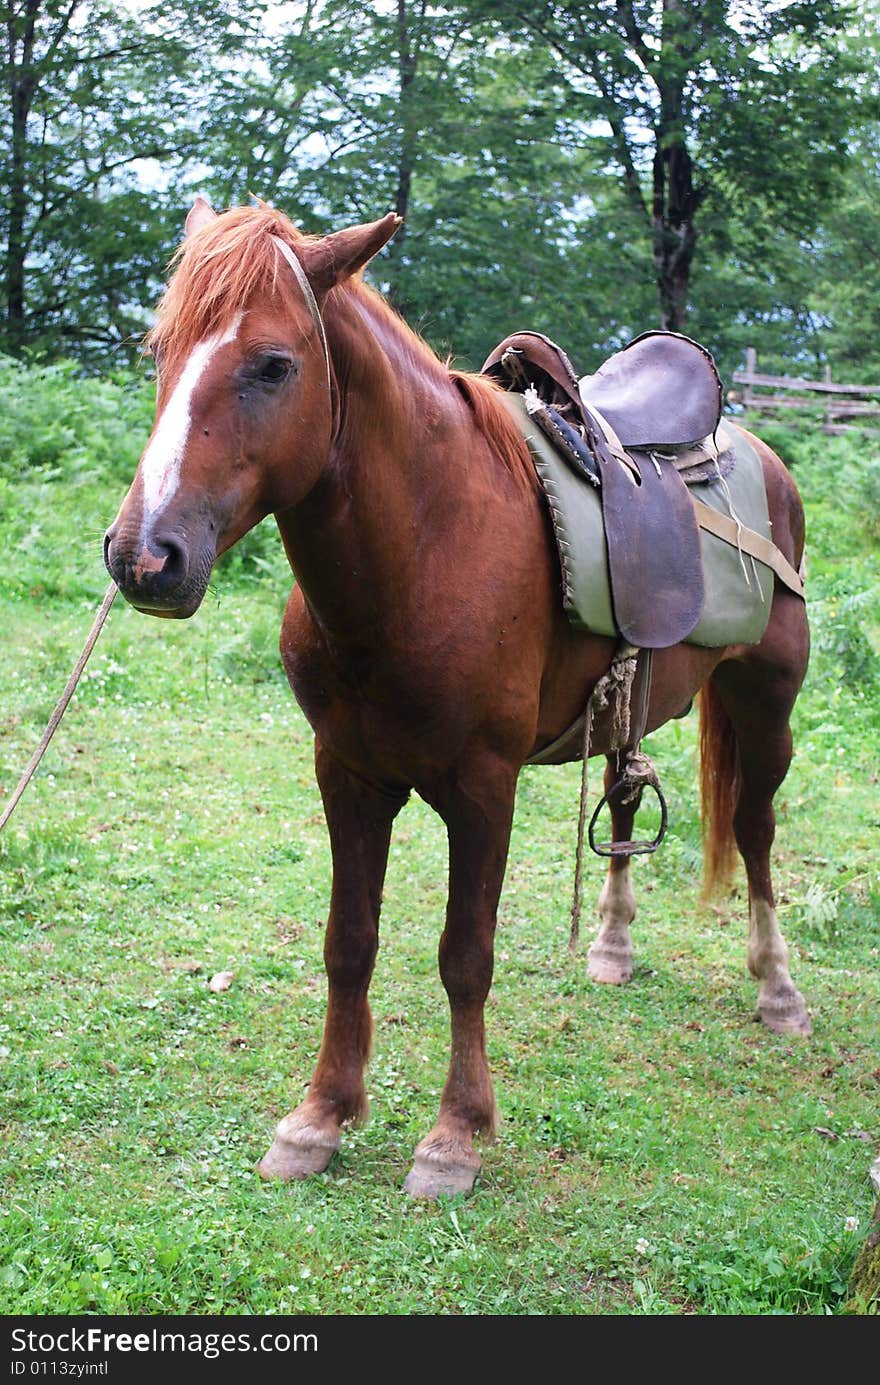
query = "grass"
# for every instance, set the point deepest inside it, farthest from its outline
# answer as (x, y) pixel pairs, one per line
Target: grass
(660, 1152)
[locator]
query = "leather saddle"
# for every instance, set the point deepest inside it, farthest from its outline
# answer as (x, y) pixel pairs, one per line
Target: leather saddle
(662, 391)
(638, 429)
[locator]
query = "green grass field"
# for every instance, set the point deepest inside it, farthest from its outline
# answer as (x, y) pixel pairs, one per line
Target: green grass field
(660, 1152)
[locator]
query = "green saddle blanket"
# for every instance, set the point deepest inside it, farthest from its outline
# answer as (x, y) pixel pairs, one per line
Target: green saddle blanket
(738, 587)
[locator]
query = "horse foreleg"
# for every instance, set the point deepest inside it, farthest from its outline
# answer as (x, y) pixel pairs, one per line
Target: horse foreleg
(759, 712)
(478, 814)
(610, 958)
(359, 823)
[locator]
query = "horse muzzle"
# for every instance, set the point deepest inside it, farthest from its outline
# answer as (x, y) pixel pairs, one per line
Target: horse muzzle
(158, 573)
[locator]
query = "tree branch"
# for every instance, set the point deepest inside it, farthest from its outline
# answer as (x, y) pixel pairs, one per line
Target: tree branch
(55, 42)
(615, 119)
(626, 15)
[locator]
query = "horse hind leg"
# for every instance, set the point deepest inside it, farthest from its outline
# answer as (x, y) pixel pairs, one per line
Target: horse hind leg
(756, 700)
(610, 958)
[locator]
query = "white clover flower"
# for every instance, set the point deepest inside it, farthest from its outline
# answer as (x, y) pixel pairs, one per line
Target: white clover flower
(851, 1224)
(641, 1246)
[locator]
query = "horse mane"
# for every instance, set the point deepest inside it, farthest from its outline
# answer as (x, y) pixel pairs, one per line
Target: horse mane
(215, 272)
(480, 393)
(219, 268)
(482, 396)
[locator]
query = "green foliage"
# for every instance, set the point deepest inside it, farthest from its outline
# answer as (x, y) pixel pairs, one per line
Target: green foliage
(102, 101)
(61, 433)
(507, 224)
(845, 264)
(804, 1278)
(726, 128)
(56, 421)
(864, 1285)
(519, 142)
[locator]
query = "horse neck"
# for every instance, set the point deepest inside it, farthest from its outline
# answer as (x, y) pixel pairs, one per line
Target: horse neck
(355, 541)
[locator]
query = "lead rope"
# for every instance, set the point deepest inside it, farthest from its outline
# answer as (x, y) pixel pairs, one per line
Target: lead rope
(61, 707)
(582, 818)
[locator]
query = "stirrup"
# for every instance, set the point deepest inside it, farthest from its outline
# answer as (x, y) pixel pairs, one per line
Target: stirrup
(630, 848)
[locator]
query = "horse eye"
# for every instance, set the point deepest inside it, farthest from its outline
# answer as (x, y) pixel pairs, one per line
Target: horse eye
(273, 369)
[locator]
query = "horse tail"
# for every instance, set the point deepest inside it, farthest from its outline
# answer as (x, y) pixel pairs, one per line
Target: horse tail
(720, 781)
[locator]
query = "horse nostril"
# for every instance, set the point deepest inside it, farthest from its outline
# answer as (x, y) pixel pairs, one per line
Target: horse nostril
(171, 550)
(147, 566)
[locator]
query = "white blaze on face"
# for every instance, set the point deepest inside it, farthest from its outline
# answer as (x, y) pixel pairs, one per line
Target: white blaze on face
(161, 463)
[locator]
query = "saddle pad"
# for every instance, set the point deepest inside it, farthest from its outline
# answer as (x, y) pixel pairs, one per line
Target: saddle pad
(738, 588)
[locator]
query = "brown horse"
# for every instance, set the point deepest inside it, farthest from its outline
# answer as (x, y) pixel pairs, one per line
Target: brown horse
(425, 638)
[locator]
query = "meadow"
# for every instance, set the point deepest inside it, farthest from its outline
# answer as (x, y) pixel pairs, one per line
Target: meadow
(660, 1152)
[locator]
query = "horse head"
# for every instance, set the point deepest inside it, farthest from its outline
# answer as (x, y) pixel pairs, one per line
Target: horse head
(244, 413)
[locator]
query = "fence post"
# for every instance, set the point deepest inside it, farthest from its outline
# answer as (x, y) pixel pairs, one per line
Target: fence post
(829, 411)
(751, 368)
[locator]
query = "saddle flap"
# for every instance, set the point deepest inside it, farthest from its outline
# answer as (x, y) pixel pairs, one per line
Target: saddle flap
(654, 559)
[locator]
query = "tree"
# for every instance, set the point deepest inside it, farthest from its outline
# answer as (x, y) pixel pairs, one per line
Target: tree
(359, 108)
(93, 93)
(585, 169)
(552, 160)
(844, 289)
(699, 106)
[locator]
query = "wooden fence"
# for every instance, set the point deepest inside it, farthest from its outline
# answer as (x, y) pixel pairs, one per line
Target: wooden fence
(845, 406)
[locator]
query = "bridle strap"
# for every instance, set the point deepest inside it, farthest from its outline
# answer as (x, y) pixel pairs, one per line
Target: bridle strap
(311, 302)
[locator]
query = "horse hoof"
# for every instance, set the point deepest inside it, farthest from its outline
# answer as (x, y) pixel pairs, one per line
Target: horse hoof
(786, 1019)
(782, 1009)
(611, 966)
(433, 1176)
(297, 1153)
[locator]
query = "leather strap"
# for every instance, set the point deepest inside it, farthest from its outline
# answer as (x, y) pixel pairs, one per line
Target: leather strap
(640, 697)
(748, 541)
(311, 301)
(615, 446)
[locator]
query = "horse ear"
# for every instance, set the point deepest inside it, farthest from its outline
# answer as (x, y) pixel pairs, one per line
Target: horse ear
(200, 214)
(341, 254)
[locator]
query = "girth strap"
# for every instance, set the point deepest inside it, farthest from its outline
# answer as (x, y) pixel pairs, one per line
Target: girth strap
(748, 541)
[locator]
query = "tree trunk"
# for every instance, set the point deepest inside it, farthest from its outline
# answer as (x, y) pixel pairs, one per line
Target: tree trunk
(674, 233)
(22, 84)
(407, 64)
(407, 61)
(15, 238)
(674, 198)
